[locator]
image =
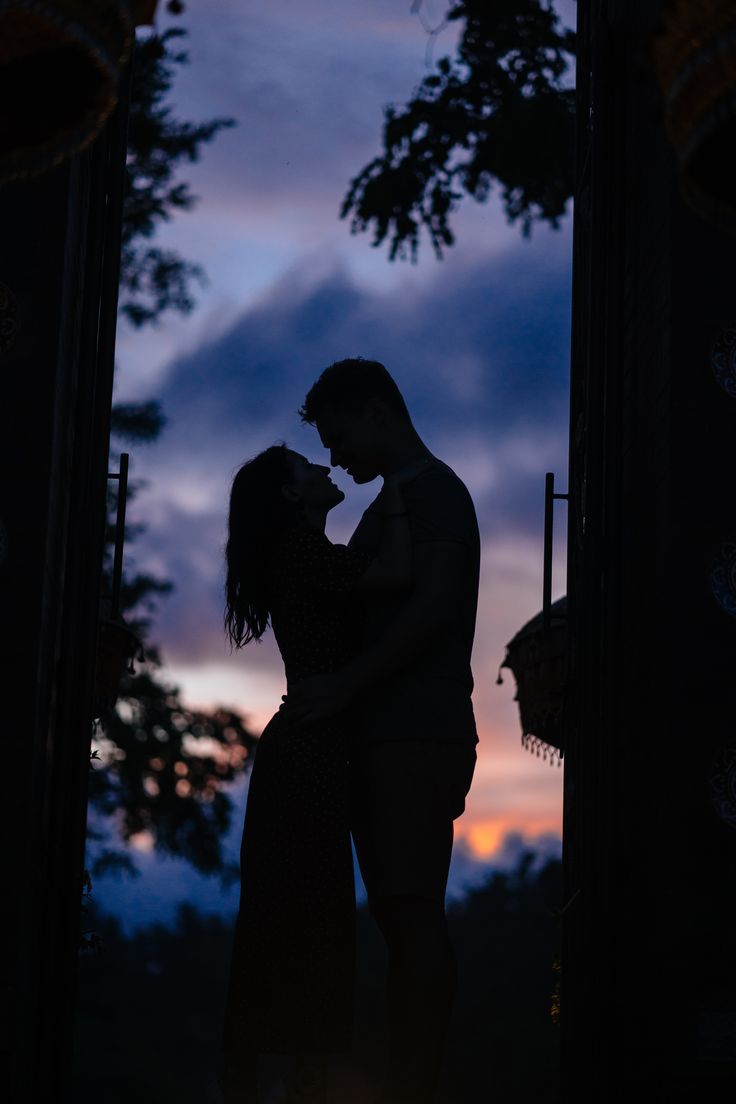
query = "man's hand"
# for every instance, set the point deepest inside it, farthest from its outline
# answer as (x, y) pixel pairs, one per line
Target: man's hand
(317, 698)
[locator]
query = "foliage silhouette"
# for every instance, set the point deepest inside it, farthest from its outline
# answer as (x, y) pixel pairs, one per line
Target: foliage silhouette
(153, 279)
(158, 768)
(163, 770)
(498, 112)
(137, 421)
(151, 1012)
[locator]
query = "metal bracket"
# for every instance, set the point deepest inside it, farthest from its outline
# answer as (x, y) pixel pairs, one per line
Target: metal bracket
(117, 567)
(549, 502)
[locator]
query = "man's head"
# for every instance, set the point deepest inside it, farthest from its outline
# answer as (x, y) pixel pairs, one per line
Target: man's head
(359, 413)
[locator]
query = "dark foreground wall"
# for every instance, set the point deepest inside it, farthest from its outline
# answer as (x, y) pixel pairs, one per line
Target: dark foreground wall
(649, 964)
(58, 279)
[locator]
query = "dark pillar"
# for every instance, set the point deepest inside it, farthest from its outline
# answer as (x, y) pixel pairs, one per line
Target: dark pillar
(59, 268)
(649, 967)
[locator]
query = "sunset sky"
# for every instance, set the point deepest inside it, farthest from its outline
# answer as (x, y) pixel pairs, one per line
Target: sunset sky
(478, 343)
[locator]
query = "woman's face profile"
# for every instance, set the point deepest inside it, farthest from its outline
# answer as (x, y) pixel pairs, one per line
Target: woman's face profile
(311, 484)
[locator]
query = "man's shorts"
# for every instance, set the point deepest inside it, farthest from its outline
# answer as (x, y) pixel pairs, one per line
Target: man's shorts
(404, 797)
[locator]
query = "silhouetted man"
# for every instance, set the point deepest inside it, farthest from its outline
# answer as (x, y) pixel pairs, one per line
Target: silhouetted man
(414, 734)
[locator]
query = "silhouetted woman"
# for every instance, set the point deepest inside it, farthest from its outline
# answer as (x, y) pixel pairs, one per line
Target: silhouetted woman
(292, 969)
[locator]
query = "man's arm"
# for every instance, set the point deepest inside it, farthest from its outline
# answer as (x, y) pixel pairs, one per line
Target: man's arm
(439, 570)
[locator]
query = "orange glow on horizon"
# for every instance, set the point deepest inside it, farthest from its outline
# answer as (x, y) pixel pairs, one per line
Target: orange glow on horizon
(485, 837)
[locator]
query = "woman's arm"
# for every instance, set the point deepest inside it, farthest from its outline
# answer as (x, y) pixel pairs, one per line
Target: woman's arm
(392, 567)
(440, 569)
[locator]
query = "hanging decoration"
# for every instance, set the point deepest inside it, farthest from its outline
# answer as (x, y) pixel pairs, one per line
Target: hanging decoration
(60, 67)
(537, 658)
(695, 61)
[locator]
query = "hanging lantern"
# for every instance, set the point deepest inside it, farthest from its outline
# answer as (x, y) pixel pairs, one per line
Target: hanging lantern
(60, 65)
(537, 659)
(695, 60)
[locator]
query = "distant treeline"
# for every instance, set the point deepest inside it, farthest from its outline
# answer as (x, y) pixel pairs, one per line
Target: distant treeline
(150, 1005)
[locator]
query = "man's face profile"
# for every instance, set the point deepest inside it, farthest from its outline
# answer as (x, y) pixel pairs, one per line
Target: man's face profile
(351, 439)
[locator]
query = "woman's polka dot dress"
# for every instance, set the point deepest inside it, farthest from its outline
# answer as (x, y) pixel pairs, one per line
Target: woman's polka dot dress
(292, 968)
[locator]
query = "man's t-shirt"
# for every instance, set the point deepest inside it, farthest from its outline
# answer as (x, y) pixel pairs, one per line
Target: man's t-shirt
(429, 697)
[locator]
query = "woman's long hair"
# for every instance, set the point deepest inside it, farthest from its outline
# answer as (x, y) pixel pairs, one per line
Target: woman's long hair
(258, 516)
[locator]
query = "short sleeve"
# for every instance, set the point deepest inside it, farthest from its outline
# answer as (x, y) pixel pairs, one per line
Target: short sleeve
(440, 508)
(320, 565)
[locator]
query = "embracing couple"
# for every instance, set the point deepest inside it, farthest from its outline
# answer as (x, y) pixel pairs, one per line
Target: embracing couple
(376, 737)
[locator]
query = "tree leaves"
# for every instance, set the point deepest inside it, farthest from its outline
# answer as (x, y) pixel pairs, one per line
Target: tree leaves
(153, 279)
(137, 421)
(499, 114)
(159, 768)
(149, 780)
(162, 773)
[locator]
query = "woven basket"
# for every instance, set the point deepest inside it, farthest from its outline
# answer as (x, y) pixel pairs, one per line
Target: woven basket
(695, 60)
(60, 64)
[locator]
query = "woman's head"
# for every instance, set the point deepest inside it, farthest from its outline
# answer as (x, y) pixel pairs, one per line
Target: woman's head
(310, 489)
(273, 491)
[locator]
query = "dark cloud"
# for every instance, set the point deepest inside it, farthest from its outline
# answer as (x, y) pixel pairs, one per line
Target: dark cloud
(480, 353)
(306, 82)
(488, 344)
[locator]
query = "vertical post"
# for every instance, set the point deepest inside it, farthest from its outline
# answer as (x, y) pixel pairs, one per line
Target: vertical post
(549, 499)
(117, 569)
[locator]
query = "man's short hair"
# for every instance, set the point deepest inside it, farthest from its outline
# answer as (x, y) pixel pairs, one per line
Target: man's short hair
(347, 385)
